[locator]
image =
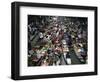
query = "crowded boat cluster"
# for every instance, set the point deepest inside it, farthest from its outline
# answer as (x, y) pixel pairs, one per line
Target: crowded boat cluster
(57, 40)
